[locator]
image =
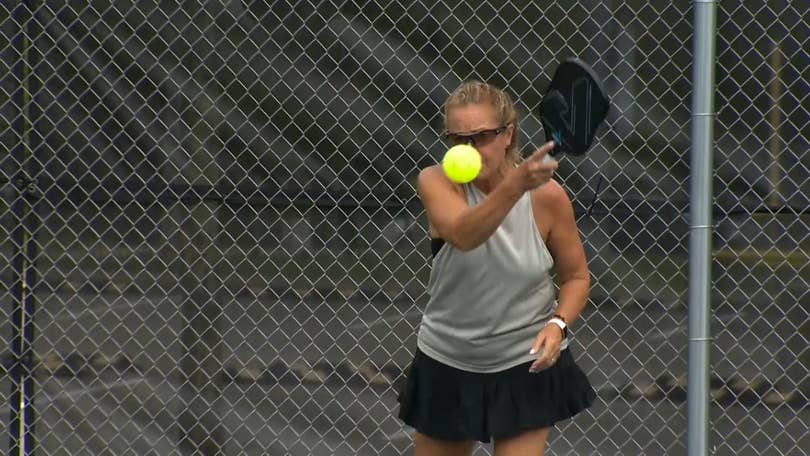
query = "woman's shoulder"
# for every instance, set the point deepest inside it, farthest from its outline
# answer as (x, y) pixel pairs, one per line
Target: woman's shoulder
(433, 176)
(430, 172)
(550, 195)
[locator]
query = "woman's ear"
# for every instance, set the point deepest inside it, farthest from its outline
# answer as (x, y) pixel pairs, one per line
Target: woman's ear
(510, 131)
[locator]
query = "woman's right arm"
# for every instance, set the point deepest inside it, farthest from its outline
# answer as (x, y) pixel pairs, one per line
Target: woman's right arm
(452, 219)
(468, 227)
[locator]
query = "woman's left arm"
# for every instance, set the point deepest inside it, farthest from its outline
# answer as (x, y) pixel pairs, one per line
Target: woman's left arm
(555, 220)
(565, 246)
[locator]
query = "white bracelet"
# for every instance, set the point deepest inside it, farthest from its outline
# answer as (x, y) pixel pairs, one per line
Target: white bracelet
(560, 324)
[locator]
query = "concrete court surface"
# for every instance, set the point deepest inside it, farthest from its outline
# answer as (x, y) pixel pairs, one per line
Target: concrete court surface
(318, 375)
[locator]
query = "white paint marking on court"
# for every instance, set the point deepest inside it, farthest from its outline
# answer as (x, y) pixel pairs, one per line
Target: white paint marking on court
(606, 386)
(727, 317)
(663, 335)
(381, 320)
(78, 392)
(402, 434)
(100, 310)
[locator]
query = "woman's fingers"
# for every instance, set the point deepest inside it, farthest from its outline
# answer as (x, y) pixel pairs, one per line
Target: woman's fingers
(547, 353)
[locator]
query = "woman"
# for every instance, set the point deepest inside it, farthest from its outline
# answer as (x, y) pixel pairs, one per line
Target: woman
(492, 358)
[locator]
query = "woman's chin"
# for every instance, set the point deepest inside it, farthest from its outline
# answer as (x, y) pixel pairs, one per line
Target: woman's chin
(484, 174)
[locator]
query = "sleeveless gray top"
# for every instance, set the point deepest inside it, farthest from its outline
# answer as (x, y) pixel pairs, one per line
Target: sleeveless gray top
(487, 305)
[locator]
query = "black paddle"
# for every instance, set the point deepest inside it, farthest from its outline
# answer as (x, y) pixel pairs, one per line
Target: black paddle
(574, 107)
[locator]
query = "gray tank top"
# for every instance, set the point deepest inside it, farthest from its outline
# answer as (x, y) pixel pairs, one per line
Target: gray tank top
(487, 305)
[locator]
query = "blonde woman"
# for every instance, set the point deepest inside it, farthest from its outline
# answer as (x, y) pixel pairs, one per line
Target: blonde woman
(492, 358)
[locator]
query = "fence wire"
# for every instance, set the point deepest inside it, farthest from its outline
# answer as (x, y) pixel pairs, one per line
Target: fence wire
(212, 241)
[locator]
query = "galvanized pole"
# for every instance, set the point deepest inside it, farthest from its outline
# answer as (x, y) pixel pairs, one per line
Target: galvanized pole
(700, 230)
(24, 209)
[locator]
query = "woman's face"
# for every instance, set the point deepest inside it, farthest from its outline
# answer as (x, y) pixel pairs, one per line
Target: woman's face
(477, 124)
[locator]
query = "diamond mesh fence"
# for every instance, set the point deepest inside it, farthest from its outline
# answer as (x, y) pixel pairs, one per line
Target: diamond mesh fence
(213, 245)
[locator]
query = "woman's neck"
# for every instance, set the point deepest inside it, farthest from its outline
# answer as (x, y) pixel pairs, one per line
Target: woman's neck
(492, 181)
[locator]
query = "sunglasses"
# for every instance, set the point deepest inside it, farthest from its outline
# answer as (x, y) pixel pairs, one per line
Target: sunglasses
(479, 137)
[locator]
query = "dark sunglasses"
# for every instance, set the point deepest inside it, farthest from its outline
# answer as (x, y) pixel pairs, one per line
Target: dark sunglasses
(479, 137)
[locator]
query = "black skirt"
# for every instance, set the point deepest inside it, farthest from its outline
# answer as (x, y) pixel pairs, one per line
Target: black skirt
(446, 403)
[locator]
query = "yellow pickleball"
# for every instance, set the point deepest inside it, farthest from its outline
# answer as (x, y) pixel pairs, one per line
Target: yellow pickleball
(461, 163)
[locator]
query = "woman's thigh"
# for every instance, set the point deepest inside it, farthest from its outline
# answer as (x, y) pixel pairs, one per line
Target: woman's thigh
(529, 443)
(427, 446)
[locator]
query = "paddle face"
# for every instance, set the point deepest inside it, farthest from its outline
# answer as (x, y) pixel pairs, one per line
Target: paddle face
(573, 108)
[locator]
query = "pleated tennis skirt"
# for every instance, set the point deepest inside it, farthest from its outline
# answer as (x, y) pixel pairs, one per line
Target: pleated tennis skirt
(446, 403)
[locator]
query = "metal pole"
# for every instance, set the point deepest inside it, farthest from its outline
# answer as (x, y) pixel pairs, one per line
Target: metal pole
(701, 226)
(23, 236)
(775, 120)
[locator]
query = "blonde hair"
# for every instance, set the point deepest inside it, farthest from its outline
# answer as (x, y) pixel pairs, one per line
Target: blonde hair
(475, 92)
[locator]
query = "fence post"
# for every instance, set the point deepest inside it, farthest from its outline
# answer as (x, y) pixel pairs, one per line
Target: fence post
(201, 337)
(201, 421)
(700, 232)
(23, 239)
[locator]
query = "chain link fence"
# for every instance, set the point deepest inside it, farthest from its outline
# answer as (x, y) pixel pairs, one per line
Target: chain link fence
(212, 243)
